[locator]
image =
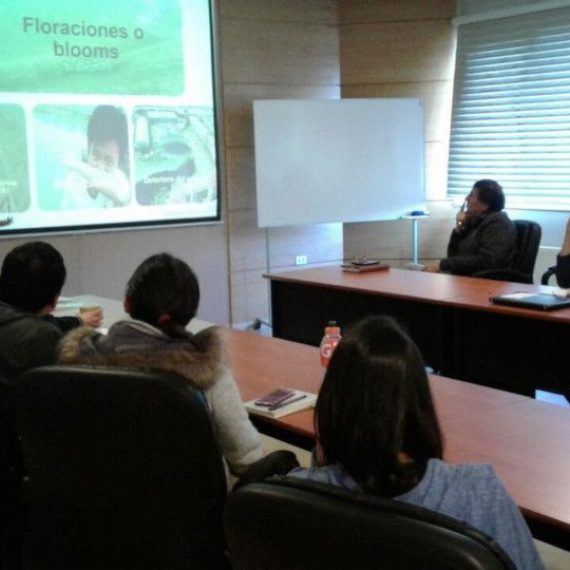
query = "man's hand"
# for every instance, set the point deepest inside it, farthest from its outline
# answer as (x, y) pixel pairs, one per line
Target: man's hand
(461, 220)
(92, 318)
(433, 267)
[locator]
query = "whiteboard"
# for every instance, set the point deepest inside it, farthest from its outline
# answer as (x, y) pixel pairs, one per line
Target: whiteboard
(341, 160)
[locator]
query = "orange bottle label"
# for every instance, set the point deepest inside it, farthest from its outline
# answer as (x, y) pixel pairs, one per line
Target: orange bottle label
(327, 348)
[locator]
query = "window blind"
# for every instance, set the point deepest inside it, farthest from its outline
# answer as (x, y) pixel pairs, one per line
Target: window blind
(511, 108)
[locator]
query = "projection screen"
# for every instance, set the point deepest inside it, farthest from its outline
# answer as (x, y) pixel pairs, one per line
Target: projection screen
(107, 114)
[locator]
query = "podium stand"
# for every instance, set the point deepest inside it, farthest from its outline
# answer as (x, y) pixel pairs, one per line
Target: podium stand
(415, 264)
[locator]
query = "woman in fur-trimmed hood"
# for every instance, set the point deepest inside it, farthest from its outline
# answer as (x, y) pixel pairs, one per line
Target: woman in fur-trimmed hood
(162, 297)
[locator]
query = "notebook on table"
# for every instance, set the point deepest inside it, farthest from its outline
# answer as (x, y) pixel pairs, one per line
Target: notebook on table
(537, 301)
(297, 401)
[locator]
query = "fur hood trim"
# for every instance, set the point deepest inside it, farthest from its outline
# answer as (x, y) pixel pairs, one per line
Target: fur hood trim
(199, 359)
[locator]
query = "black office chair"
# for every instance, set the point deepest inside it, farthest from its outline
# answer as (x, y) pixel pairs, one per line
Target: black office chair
(11, 472)
(528, 241)
(289, 524)
(123, 471)
(547, 275)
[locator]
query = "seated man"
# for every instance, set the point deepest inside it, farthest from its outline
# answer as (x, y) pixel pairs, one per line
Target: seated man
(31, 280)
(563, 260)
(484, 237)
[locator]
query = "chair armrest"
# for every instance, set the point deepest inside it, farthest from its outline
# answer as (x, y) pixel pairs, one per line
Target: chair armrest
(547, 275)
(276, 463)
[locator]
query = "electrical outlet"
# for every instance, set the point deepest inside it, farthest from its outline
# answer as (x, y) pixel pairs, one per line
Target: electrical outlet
(300, 260)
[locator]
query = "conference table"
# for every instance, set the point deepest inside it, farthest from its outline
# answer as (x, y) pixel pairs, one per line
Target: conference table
(459, 331)
(526, 441)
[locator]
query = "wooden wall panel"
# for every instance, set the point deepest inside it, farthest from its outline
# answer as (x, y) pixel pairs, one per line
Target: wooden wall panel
(274, 52)
(319, 48)
(435, 94)
(241, 179)
(238, 109)
(303, 11)
(270, 49)
(250, 297)
(248, 246)
(390, 48)
(321, 243)
(392, 241)
(396, 52)
(362, 11)
(435, 177)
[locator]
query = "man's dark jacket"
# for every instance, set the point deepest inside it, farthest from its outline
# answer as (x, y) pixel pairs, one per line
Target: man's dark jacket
(28, 340)
(488, 241)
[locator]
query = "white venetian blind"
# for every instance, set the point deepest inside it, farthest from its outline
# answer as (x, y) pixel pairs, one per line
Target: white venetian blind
(511, 109)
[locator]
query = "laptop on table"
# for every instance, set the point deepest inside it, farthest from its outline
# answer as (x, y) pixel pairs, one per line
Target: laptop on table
(537, 301)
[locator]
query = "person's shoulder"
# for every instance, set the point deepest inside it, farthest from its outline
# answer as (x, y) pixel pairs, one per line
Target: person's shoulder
(465, 470)
(15, 319)
(480, 479)
(496, 217)
(501, 217)
(333, 474)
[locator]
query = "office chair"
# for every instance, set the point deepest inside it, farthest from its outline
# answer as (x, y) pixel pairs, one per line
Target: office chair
(547, 275)
(123, 471)
(11, 472)
(528, 241)
(285, 523)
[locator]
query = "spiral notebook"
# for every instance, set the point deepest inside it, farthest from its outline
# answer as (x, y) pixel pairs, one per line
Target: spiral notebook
(536, 301)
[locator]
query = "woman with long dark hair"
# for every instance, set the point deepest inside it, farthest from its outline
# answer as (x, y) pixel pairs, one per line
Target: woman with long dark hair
(162, 297)
(378, 432)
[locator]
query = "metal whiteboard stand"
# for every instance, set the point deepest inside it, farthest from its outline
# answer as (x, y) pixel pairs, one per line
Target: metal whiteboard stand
(415, 264)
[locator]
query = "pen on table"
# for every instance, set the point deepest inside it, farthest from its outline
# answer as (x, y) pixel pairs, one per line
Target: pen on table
(286, 403)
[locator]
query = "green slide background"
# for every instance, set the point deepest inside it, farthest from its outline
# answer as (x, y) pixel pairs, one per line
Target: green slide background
(150, 66)
(14, 183)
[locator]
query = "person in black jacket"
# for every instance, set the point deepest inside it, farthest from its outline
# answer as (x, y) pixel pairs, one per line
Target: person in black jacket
(31, 280)
(484, 237)
(563, 261)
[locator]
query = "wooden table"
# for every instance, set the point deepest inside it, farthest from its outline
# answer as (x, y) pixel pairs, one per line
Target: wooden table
(526, 441)
(459, 331)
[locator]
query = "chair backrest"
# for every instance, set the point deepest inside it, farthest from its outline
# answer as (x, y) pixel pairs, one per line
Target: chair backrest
(11, 507)
(287, 523)
(528, 241)
(123, 471)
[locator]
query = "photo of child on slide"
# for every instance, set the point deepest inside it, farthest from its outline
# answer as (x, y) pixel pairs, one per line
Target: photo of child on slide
(14, 183)
(175, 155)
(83, 159)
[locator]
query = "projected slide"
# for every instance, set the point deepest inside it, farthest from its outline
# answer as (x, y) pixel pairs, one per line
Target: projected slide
(106, 114)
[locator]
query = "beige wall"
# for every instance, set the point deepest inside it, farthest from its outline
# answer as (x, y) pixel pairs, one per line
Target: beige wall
(390, 48)
(101, 263)
(270, 49)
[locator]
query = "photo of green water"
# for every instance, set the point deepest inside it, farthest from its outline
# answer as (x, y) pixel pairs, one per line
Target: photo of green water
(175, 155)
